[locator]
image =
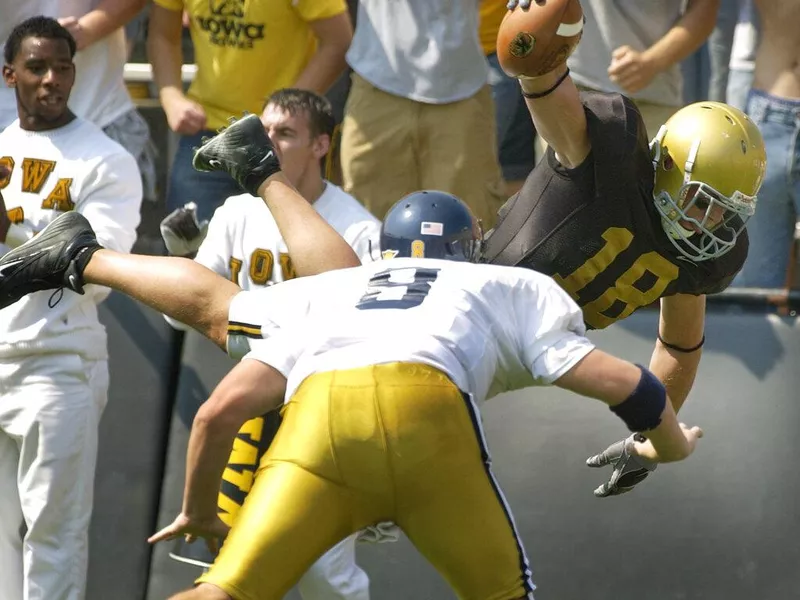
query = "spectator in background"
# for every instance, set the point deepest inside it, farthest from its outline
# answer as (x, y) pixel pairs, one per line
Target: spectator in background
(244, 51)
(774, 105)
(515, 132)
(635, 48)
(420, 113)
(13, 13)
(53, 356)
(719, 47)
(99, 94)
(725, 62)
(743, 56)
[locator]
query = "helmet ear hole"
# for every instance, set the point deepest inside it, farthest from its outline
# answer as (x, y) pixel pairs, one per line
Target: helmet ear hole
(667, 161)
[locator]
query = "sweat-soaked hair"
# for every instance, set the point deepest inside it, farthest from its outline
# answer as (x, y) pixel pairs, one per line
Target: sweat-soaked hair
(40, 27)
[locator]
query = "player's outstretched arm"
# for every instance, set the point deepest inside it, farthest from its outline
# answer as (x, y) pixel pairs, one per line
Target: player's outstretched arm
(674, 361)
(252, 388)
(679, 346)
(639, 399)
(559, 116)
(554, 105)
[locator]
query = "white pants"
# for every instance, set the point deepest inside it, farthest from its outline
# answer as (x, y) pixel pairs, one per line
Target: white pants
(50, 408)
(336, 575)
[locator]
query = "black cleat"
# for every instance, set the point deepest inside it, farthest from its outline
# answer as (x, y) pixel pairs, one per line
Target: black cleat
(243, 150)
(54, 259)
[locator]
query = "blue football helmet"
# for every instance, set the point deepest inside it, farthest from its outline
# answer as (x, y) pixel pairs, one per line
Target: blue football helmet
(431, 224)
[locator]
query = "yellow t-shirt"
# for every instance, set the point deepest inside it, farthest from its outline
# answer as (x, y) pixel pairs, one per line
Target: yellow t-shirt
(491, 15)
(247, 49)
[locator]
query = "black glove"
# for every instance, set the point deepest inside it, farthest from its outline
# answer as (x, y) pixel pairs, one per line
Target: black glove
(629, 469)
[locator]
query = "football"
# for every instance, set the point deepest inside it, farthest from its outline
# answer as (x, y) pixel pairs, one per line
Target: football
(533, 42)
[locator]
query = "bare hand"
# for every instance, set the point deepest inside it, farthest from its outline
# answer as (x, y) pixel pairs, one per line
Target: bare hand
(73, 25)
(212, 530)
(183, 115)
(630, 69)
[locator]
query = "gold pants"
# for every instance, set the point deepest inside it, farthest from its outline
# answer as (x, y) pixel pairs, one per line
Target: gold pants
(392, 146)
(396, 442)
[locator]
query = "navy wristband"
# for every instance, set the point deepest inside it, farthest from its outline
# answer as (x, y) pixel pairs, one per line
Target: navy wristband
(642, 410)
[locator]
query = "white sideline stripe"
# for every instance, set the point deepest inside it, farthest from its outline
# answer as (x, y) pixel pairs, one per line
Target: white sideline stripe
(143, 72)
(570, 29)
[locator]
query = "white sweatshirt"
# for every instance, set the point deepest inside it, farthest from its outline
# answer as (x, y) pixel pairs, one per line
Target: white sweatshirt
(75, 167)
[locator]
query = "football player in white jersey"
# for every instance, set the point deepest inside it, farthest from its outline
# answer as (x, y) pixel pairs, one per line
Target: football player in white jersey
(385, 362)
(53, 355)
(243, 244)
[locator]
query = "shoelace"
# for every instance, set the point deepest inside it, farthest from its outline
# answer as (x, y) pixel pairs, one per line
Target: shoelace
(60, 292)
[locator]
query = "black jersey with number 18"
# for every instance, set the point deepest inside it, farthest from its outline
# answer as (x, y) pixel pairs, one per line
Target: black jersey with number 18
(595, 228)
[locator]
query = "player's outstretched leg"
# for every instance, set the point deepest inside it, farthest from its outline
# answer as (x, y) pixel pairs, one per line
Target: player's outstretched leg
(66, 255)
(53, 259)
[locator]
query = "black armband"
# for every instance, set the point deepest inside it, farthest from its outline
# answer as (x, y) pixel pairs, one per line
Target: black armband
(642, 410)
(547, 92)
(679, 348)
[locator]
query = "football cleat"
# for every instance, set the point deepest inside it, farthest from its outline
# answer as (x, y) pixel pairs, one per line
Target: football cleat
(243, 150)
(52, 260)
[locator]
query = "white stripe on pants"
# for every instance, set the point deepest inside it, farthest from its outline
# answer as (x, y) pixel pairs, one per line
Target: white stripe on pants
(50, 408)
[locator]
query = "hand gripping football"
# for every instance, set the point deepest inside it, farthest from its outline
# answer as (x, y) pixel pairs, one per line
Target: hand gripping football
(535, 41)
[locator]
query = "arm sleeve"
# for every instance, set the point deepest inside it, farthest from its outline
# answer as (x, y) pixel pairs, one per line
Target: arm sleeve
(314, 10)
(111, 202)
(555, 333)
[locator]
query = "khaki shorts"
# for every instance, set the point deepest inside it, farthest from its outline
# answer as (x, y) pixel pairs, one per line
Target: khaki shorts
(392, 146)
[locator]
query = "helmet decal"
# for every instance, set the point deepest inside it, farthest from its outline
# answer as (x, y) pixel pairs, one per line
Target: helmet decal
(418, 249)
(428, 228)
